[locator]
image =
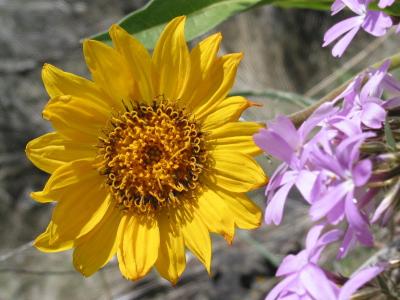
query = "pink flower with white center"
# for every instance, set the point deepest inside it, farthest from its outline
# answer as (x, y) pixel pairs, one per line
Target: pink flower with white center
(375, 23)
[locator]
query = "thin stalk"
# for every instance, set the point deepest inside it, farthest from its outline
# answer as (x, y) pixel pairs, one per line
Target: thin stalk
(299, 100)
(272, 259)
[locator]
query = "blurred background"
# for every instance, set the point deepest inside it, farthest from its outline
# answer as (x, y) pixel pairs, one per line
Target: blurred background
(284, 69)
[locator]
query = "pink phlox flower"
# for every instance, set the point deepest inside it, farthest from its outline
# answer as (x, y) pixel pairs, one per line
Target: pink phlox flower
(382, 80)
(377, 81)
(363, 103)
(343, 127)
(368, 111)
(368, 105)
(375, 23)
(282, 140)
(390, 85)
(304, 279)
(344, 173)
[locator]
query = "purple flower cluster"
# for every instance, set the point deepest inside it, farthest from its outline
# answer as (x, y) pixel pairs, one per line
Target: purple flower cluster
(322, 159)
(305, 280)
(373, 22)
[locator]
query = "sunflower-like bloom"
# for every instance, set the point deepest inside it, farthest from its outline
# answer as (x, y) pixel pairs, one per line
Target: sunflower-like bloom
(147, 158)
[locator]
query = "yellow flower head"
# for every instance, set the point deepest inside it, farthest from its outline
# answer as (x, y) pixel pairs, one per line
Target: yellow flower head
(147, 158)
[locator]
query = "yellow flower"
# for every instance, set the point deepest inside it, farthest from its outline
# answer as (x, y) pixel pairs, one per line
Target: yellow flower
(147, 158)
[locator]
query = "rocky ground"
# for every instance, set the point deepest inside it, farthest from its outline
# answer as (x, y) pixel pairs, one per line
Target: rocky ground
(282, 52)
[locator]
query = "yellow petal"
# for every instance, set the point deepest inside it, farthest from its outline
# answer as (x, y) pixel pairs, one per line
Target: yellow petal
(50, 151)
(110, 72)
(202, 58)
(80, 210)
(228, 110)
(95, 249)
(204, 54)
(42, 242)
(76, 118)
(216, 215)
(77, 213)
(58, 83)
(69, 176)
(246, 214)
(138, 249)
(197, 239)
(138, 59)
(236, 172)
(235, 136)
(217, 85)
(171, 259)
(171, 59)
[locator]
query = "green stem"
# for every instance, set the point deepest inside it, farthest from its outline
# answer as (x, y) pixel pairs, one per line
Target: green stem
(278, 95)
(270, 257)
(299, 117)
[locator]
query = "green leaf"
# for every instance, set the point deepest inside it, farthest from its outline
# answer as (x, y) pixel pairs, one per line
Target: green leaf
(393, 10)
(389, 136)
(306, 4)
(147, 23)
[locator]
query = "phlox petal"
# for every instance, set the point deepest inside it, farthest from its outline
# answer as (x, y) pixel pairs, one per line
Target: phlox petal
(278, 178)
(341, 28)
(284, 127)
(337, 6)
(305, 184)
(347, 243)
(358, 222)
(356, 6)
(373, 115)
(326, 239)
(292, 263)
(275, 292)
(319, 289)
(274, 210)
(385, 3)
(313, 235)
(322, 207)
(362, 172)
(377, 23)
(273, 144)
(358, 279)
(344, 42)
(373, 85)
(391, 103)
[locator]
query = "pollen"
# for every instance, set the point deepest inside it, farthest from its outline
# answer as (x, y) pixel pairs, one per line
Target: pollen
(152, 157)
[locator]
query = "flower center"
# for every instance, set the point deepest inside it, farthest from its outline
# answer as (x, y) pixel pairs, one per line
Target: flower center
(152, 157)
